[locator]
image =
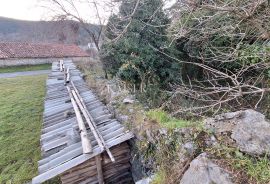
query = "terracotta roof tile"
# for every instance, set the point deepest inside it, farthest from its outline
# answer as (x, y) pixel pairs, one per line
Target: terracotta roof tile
(39, 50)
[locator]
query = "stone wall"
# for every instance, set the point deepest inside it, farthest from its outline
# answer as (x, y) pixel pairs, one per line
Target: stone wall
(36, 61)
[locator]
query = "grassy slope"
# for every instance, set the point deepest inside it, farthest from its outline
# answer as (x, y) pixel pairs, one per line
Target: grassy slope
(21, 110)
(10, 69)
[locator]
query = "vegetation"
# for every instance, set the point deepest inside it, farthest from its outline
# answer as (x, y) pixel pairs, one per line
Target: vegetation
(226, 58)
(257, 169)
(20, 125)
(130, 55)
(61, 31)
(244, 168)
(165, 120)
(209, 57)
(160, 177)
(206, 53)
(22, 68)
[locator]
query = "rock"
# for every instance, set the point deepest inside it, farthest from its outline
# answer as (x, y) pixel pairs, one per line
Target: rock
(145, 180)
(123, 118)
(149, 136)
(249, 130)
(203, 171)
(163, 131)
(129, 100)
(190, 147)
(212, 141)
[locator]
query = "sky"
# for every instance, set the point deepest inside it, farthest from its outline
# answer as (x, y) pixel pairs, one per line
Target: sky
(22, 9)
(33, 10)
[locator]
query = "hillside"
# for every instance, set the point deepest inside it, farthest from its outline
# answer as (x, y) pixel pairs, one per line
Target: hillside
(43, 31)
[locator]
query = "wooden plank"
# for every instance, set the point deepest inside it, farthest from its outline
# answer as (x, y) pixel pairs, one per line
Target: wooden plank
(87, 148)
(58, 125)
(93, 128)
(91, 123)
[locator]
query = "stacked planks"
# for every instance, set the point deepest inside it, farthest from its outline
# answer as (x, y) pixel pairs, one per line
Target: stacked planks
(61, 140)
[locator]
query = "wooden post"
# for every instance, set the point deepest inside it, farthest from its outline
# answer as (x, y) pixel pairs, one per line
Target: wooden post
(61, 65)
(68, 75)
(65, 76)
(99, 169)
(86, 145)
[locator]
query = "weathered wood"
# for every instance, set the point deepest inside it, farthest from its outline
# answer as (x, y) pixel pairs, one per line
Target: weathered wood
(93, 129)
(68, 75)
(87, 148)
(113, 171)
(91, 123)
(61, 140)
(77, 160)
(61, 65)
(65, 76)
(99, 169)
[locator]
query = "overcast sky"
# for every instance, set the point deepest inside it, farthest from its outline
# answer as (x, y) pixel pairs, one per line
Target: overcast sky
(22, 9)
(33, 10)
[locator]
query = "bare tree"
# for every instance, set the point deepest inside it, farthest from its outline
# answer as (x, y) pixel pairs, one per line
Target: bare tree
(70, 10)
(234, 73)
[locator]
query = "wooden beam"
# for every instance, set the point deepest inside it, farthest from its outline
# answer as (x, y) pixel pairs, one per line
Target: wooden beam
(87, 147)
(90, 122)
(93, 129)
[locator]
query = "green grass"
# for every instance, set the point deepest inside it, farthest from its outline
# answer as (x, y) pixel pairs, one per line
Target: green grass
(21, 110)
(165, 120)
(159, 178)
(244, 168)
(10, 69)
(257, 169)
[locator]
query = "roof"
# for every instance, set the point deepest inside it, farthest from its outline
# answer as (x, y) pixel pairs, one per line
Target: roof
(39, 50)
(60, 140)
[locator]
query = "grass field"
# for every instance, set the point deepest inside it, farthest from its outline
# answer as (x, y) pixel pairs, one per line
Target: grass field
(21, 110)
(10, 69)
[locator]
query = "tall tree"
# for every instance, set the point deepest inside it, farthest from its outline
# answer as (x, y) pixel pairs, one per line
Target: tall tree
(135, 38)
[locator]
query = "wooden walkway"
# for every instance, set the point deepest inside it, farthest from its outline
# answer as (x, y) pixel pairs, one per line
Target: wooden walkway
(77, 128)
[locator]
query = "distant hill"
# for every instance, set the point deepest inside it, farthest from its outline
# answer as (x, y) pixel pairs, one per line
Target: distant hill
(12, 30)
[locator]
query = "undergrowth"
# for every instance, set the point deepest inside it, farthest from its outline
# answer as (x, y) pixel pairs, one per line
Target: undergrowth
(258, 169)
(165, 120)
(244, 168)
